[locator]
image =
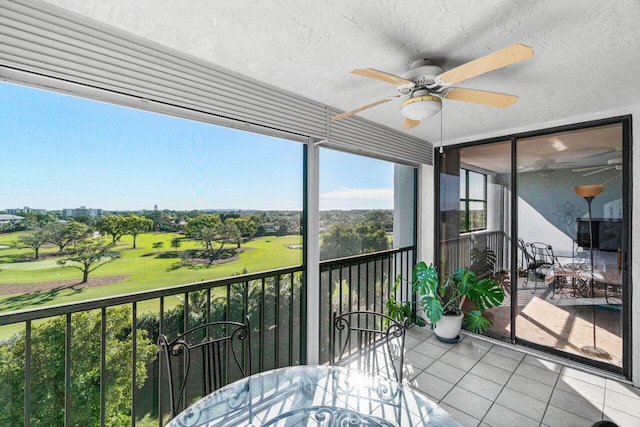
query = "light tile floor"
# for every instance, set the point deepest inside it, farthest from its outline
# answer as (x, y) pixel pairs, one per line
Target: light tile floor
(485, 384)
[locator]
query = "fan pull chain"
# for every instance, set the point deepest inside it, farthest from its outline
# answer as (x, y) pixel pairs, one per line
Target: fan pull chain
(441, 150)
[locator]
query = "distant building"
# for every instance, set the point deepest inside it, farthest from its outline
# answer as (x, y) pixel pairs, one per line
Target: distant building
(269, 227)
(10, 219)
(81, 211)
(26, 209)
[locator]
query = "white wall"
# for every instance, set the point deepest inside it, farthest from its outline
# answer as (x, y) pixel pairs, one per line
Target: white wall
(426, 217)
(403, 206)
(428, 221)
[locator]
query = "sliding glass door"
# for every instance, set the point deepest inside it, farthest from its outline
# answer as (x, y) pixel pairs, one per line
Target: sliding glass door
(558, 243)
(475, 218)
(570, 212)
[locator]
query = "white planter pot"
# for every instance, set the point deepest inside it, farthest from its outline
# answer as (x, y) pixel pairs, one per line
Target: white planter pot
(448, 327)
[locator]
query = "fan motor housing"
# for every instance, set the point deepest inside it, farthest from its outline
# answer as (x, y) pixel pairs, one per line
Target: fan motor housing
(423, 72)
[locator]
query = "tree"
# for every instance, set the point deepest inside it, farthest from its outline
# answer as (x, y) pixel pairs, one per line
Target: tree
(373, 237)
(33, 240)
(207, 235)
(229, 233)
(381, 217)
(158, 245)
(204, 228)
(338, 242)
(48, 356)
(246, 226)
(111, 225)
(346, 240)
(176, 242)
(283, 229)
(36, 220)
(88, 255)
(61, 234)
(286, 224)
(196, 225)
(87, 220)
(134, 225)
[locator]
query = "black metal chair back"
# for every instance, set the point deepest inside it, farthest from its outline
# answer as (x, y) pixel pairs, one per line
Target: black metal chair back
(369, 341)
(542, 254)
(204, 359)
(528, 257)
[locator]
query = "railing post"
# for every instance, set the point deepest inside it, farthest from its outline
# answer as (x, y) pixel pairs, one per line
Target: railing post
(27, 374)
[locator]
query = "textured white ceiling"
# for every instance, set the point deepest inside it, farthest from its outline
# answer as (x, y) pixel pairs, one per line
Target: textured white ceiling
(587, 52)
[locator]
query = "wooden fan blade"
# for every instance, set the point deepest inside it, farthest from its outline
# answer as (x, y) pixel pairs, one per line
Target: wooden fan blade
(599, 170)
(483, 97)
(507, 56)
(382, 76)
(357, 110)
(408, 123)
(588, 168)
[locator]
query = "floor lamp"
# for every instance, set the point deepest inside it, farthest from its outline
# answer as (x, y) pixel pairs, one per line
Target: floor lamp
(589, 192)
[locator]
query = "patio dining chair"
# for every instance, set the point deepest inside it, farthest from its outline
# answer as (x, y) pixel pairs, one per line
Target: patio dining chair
(543, 263)
(204, 359)
(531, 265)
(369, 341)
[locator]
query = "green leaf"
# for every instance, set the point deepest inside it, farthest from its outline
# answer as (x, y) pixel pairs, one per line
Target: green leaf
(465, 280)
(486, 294)
(425, 279)
(432, 308)
(420, 271)
(476, 322)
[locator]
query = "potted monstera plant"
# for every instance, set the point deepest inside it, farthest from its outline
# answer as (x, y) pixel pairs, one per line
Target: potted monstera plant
(443, 301)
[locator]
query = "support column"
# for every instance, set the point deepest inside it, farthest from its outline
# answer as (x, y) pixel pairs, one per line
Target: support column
(312, 260)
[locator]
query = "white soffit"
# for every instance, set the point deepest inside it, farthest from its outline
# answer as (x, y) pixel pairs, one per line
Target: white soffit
(586, 51)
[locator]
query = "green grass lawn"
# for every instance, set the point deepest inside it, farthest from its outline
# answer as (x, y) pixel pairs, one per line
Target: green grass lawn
(146, 267)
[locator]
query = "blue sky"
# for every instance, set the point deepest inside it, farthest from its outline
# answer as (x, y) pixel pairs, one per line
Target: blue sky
(60, 151)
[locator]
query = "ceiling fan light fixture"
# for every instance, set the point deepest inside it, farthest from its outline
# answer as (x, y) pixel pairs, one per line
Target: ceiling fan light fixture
(421, 107)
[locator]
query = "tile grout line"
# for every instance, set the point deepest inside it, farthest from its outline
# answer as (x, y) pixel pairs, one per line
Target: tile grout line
(504, 387)
(604, 399)
(493, 401)
(604, 403)
(457, 382)
(555, 385)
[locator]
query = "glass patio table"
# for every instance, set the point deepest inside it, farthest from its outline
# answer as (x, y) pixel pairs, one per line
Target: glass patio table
(314, 396)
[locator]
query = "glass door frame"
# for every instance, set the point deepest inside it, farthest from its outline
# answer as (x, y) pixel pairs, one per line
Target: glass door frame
(626, 173)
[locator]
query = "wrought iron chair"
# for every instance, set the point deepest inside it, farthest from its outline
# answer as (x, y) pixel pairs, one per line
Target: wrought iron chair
(543, 261)
(531, 265)
(204, 359)
(369, 341)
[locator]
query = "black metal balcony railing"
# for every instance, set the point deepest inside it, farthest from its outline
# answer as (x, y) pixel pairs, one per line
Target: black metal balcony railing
(362, 282)
(81, 363)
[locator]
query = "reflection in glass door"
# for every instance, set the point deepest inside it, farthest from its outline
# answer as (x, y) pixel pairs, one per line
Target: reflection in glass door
(570, 216)
(475, 219)
(558, 243)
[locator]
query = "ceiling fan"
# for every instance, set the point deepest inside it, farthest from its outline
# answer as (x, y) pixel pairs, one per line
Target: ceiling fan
(543, 165)
(425, 85)
(611, 164)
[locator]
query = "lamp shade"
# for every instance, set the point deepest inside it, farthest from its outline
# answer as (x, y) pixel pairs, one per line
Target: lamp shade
(588, 190)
